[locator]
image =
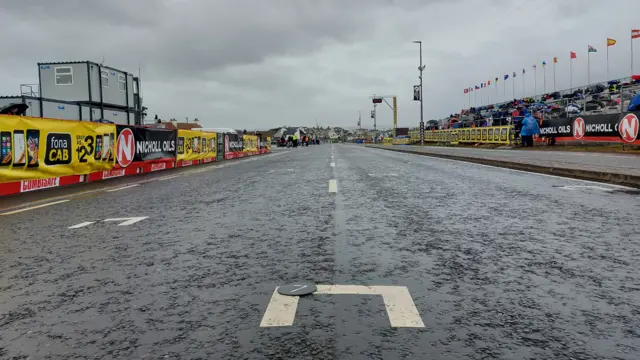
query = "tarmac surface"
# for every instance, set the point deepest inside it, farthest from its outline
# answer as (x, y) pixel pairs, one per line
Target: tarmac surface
(499, 264)
(628, 164)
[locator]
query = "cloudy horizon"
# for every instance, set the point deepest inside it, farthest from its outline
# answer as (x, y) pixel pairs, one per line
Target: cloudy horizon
(262, 64)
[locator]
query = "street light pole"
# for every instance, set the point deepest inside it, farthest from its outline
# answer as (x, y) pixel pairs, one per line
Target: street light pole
(421, 68)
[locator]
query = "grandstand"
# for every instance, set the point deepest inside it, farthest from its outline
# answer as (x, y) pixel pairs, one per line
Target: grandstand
(601, 98)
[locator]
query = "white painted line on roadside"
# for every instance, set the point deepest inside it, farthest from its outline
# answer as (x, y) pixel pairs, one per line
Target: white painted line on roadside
(82, 224)
(281, 310)
(124, 187)
(34, 207)
(333, 186)
(333, 164)
(127, 221)
(398, 303)
(167, 177)
(578, 187)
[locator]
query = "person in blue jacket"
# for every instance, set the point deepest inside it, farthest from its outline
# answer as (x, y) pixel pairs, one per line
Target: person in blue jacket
(529, 128)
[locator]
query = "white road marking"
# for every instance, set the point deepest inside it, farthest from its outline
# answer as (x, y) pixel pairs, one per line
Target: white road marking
(167, 177)
(333, 164)
(281, 310)
(127, 221)
(578, 187)
(124, 187)
(82, 224)
(333, 186)
(34, 207)
(398, 303)
(392, 174)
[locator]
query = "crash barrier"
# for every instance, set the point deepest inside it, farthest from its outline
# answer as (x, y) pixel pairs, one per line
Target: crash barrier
(195, 147)
(600, 128)
(483, 135)
(38, 153)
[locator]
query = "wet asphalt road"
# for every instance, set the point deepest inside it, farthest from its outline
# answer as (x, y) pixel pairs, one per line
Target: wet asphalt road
(500, 264)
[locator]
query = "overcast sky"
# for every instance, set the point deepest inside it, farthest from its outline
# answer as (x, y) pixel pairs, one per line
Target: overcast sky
(262, 64)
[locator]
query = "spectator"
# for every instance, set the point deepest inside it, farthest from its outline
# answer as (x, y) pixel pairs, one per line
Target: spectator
(529, 128)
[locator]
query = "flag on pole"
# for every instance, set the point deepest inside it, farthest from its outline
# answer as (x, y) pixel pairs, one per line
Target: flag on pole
(591, 49)
(572, 55)
(611, 42)
(477, 87)
(506, 76)
(544, 63)
(514, 74)
(489, 82)
(523, 72)
(534, 66)
(470, 88)
(466, 90)
(635, 34)
(496, 79)
(555, 60)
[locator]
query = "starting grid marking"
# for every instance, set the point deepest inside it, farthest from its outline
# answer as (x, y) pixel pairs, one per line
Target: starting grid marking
(401, 310)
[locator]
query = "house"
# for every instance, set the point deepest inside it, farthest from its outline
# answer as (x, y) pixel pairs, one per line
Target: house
(290, 131)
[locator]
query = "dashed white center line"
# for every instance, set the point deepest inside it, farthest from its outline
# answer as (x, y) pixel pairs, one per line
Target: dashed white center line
(82, 224)
(34, 207)
(333, 186)
(333, 164)
(124, 187)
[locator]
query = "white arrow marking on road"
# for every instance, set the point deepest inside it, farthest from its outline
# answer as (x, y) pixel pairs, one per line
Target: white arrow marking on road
(333, 186)
(82, 224)
(128, 221)
(401, 310)
(124, 187)
(392, 174)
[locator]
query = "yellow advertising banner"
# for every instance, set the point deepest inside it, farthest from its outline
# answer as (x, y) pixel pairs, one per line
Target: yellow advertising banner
(35, 148)
(196, 145)
(250, 144)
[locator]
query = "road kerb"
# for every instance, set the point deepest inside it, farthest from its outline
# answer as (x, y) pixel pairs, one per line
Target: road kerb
(598, 176)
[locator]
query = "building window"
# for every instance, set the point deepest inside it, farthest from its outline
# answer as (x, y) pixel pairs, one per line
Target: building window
(122, 83)
(105, 78)
(64, 75)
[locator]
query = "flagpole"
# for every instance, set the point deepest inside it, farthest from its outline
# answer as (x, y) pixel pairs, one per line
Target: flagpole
(607, 60)
(523, 85)
(513, 86)
(544, 86)
(631, 52)
(504, 90)
(554, 75)
(475, 100)
(570, 74)
(469, 92)
(497, 91)
(535, 82)
(588, 68)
